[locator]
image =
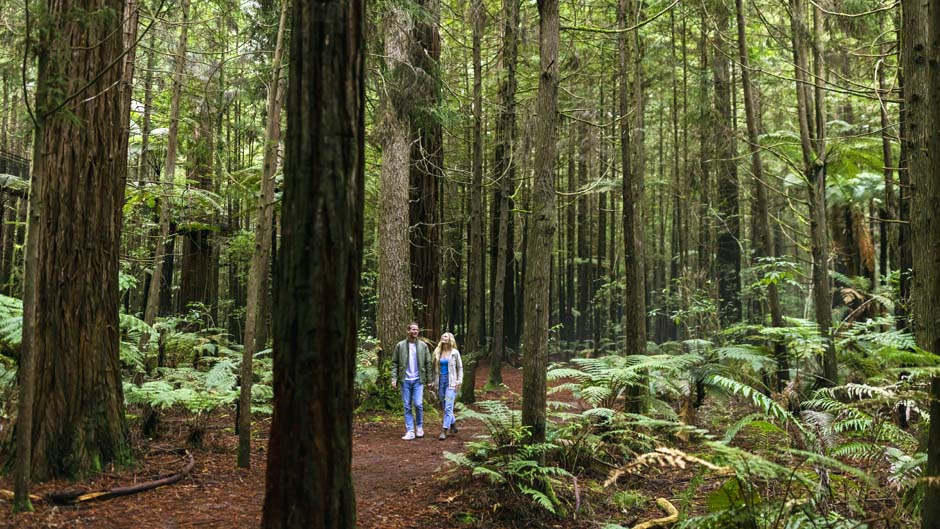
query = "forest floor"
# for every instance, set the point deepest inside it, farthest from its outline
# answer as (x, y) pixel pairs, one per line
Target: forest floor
(399, 484)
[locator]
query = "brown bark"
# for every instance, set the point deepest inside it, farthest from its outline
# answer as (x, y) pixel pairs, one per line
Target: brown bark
(198, 286)
(261, 257)
(814, 167)
(634, 299)
(914, 135)
(504, 173)
(394, 310)
(427, 170)
(568, 318)
(926, 252)
(316, 309)
(728, 261)
(169, 170)
(584, 237)
(542, 218)
(81, 106)
(764, 239)
(475, 262)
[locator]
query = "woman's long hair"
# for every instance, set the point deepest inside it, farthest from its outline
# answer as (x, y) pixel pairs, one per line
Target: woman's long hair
(451, 345)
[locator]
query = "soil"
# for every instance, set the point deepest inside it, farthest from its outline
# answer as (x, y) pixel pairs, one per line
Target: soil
(399, 484)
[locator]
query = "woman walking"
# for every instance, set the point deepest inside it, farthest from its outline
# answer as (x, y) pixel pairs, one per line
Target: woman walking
(448, 376)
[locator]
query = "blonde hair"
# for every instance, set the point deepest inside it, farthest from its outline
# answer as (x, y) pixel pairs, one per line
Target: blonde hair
(452, 343)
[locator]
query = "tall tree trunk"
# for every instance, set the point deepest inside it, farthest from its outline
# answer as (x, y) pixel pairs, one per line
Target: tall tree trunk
(261, 258)
(584, 237)
(535, 339)
(169, 170)
(889, 210)
(570, 332)
(914, 135)
(78, 406)
(729, 250)
(926, 252)
(634, 299)
(504, 173)
(309, 471)
(197, 285)
(814, 163)
(427, 171)
(475, 289)
(764, 239)
(394, 311)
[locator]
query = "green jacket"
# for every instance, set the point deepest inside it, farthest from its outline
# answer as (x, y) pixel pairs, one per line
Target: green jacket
(400, 362)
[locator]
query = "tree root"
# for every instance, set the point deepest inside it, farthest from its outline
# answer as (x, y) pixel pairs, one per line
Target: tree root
(74, 497)
(666, 506)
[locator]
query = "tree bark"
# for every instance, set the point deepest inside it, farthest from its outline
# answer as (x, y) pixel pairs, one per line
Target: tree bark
(504, 173)
(261, 257)
(475, 262)
(316, 310)
(814, 164)
(926, 252)
(169, 171)
(198, 285)
(634, 299)
(542, 217)
(764, 240)
(914, 135)
(78, 407)
(729, 250)
(427, 170)
(584, 238)
(394, 311)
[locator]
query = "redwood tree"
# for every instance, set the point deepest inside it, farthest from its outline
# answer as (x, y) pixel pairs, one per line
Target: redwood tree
(81, 166)
(925, 217)
(316, 282)
(535, 338)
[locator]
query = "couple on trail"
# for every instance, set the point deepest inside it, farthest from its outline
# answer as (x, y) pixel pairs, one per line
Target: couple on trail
(413, 367)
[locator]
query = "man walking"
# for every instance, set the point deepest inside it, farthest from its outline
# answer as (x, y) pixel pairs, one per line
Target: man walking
(411, 368)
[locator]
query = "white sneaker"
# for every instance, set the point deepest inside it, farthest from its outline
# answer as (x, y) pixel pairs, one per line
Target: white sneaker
(420, 431)
(409, 436)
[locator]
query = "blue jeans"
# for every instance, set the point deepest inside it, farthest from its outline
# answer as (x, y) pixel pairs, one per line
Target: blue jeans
(447, 396)
(412, 392)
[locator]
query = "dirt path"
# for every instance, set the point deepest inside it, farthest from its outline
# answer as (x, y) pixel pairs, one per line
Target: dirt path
(395, 480)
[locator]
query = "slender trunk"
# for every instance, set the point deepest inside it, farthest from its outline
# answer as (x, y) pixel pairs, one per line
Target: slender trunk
(888, 213)
(262, 251)
(584, 237)
(198, 287)
(169, 171)
(764, 240)
(914, 136)
(814, 163)
(634, 299)
(926, 251)
(535, 354)
(504, 173)
(475, 291)
(729, 251)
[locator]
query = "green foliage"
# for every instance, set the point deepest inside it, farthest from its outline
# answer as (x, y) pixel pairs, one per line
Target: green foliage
(503, 459)
(208, 378)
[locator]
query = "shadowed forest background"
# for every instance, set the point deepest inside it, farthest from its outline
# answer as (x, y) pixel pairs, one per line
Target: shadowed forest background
(689, 250)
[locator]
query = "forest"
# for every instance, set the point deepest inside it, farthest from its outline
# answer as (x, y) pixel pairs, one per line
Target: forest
(496, 264)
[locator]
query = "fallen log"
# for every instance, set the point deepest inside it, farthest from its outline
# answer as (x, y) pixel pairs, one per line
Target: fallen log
(74, 497)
